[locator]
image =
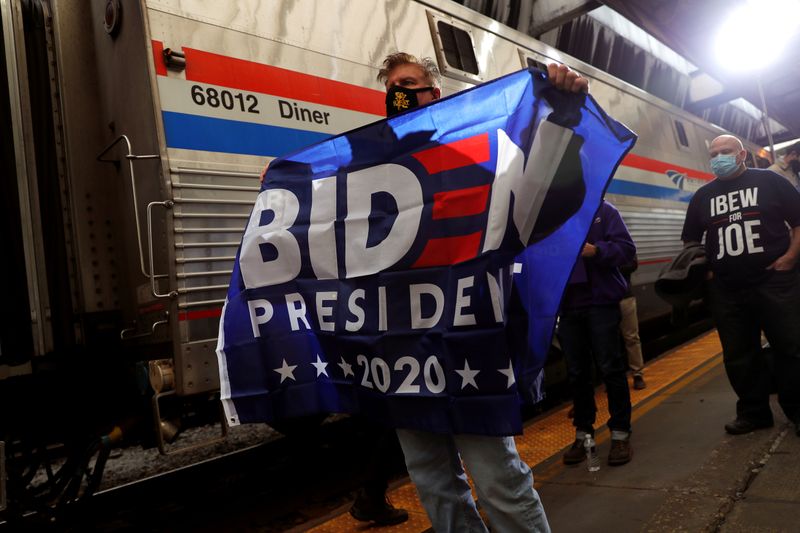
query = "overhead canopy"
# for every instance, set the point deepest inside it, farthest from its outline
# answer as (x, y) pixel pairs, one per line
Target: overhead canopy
(689, 28)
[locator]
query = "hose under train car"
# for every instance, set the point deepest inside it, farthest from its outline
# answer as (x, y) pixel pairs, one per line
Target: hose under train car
(68, 481)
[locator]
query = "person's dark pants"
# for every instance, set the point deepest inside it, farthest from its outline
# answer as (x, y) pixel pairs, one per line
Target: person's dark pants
(740, 315)
(385, 461)
(593, 333)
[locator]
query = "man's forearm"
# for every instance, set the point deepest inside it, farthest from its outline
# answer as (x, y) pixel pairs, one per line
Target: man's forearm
(794, 246)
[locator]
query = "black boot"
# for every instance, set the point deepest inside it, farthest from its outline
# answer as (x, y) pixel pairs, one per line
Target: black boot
(380, 511)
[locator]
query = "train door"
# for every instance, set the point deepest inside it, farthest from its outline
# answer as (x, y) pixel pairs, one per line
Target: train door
(37, 288)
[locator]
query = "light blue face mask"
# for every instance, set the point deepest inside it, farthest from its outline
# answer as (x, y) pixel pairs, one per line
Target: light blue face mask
(724, 165)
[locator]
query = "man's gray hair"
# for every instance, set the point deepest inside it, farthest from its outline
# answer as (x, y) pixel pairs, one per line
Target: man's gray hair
(428, 66)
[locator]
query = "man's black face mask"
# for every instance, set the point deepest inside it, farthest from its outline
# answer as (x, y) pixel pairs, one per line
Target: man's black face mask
(795, 166)
(399, 99)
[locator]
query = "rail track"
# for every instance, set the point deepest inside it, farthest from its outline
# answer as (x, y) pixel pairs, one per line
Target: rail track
(274, 484)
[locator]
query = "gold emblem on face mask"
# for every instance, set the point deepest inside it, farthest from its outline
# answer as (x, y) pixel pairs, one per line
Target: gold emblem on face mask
(400, 101)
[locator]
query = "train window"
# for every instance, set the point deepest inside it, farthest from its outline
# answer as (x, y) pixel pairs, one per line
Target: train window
(681, 131)
(454, 42)
(532, 59)
(535, 64)
(457, 47)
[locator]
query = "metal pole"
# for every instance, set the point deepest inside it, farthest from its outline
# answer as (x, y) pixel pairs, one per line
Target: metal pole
(765, 117)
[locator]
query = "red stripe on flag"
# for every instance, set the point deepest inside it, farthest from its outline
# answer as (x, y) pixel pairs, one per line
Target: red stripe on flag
(449, 250)
(158, 58)
(196, 315)
(216, 69)
(654, 165)
(469, 151)
(460, 203)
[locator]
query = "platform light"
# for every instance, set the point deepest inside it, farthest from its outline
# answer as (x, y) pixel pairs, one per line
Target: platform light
(756, 33)
(785, 144)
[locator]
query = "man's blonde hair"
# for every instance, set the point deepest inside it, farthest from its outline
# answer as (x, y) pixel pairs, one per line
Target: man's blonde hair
(428, 66)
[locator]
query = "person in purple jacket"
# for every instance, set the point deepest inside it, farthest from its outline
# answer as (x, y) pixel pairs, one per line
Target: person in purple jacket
(588, 329)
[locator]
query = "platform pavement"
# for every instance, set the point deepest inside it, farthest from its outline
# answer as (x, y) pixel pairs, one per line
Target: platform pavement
(687, 474)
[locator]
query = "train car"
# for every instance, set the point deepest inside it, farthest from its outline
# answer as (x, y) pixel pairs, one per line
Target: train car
(135, 135)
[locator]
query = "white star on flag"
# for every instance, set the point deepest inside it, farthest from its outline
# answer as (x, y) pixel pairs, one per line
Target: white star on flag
(509, 373)
(347, 368)
(467, 375)
(320, 366)
(286, 371)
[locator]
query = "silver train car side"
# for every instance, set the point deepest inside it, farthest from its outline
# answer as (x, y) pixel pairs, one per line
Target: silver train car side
(135, 132)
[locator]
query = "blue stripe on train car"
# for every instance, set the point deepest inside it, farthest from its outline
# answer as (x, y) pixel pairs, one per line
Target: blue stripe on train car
(631, 188)
(194, 132)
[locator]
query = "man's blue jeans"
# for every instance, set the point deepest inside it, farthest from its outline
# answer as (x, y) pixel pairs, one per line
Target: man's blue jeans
(504, 483)
(587, 334)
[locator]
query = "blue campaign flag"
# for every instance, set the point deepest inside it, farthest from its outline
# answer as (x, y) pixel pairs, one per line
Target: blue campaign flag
(378, 272)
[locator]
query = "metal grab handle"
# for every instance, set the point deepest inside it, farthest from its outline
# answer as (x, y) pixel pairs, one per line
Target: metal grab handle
(131, 157)
(166, 205)
(125, 334)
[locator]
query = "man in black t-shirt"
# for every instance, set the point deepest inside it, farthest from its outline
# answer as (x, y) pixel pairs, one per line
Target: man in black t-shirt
(751, 222)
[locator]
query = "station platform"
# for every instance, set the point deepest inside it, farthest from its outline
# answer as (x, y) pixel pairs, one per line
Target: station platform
(686, 474)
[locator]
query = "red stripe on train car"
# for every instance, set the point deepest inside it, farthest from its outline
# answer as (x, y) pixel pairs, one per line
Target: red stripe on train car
(449, 250)
(654, 165)
(460, 203)
(216, 69)
(158, 58)
(197, 315)
(152, 308)
(469, 151)
(655, 261)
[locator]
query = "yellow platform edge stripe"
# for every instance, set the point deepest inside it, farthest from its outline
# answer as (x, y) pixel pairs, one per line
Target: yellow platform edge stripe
(544, 437)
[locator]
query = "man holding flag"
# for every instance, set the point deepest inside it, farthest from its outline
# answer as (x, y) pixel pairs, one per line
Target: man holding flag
(503, 481)
(375, 276)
